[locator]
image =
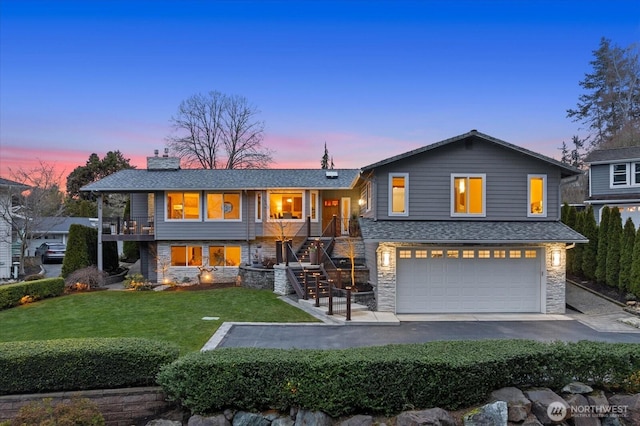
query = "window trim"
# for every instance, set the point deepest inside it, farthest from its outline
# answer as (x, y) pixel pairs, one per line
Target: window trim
(223, 193)
(314, 195)
(452, 196)
(258, 206)
(405, 176)
(224, 247)
(166, 206)
(287, 191)
(612, 174)
(186, 249)
(544, 195)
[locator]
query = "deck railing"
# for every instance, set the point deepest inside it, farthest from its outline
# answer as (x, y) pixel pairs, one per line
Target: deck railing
(134, 225)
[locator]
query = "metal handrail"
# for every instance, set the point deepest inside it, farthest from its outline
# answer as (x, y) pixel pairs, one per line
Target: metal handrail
(130, 225)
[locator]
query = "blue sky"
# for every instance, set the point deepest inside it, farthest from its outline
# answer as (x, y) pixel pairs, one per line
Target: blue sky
(372, 79)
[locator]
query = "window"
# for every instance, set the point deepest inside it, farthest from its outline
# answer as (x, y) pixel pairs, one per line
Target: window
(183, 205)
(404, 254)
(619, 175)
(224, 255)
(437, 254)
(398, 194)
(186, 256)
(636, 174)
(421, 254)
(484, 254)
(499, 254)
(365, 197)
(314, 206)
(468, 195)
(223, 206)
(258, 206)
(515, 254)
(286, 205)
(468, 254)
(453, 254)
(537, 196)
(530, 254)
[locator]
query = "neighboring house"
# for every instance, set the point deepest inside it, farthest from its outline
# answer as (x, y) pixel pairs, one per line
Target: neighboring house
(614, 181)
(185, 218)
(55, 230)
(7, 188)
(469, 224)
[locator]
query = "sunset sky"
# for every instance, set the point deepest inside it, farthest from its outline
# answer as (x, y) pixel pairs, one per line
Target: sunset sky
(372, 79)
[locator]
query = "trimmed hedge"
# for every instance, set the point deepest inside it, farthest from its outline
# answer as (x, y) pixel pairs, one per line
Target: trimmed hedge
(387, 379)
(11, 294)
(78, 364)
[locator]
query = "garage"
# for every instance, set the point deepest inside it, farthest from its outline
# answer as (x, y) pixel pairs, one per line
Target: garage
(468, 279)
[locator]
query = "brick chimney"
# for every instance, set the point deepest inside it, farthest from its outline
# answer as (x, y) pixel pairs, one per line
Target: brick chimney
(163, 163)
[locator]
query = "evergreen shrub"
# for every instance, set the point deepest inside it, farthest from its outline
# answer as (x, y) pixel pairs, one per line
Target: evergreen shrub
(387, 379)
(78, 364)
(12, 294)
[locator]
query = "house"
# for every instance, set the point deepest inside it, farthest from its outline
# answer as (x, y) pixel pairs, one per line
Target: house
(469, 224)
(185, 219)
(55, 229)
(7, 189)
(614, 181)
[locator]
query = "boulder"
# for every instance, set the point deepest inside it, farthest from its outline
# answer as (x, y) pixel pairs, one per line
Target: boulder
(531, 420)
(545, 402)
(582, 413)
(627, 407)
(519, 407)
(597, 398)
(163, 422)
(577, 387)
(217, 420)
(494, 414)
(430, 417)
(243, 418)
(282, 421)
(359, 420)
(312, 418)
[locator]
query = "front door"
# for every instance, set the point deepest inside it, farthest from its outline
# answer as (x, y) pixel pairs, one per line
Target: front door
(330, 208)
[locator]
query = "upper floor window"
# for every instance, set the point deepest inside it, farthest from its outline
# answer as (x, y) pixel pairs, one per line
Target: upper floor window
(468, 195)
(537, 196)
(625, 174)
(223, 206)
(286, 205)
(183, 205)
(398, 194)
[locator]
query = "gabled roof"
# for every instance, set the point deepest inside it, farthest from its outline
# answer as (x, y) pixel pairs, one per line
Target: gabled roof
(61, 224)
(469, 232)
(566, 169)
(631, 153)
(6, 183)
(134, 180)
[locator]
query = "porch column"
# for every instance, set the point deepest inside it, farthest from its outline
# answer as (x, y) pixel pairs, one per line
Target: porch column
(100, 266)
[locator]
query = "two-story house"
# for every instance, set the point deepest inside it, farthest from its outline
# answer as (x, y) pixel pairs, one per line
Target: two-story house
(7, 189)
(469, 224)
(614, 181)
(186, 218)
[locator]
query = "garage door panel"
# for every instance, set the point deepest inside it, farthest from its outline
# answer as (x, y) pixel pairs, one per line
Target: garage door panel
(501, 282)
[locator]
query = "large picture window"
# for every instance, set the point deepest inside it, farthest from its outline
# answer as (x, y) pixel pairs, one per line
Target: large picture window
(468, 195)
(286, 205)
(223, 206)
(398, 194)
(537, 196)
(224, 255)
(183, 205)
(186, 256)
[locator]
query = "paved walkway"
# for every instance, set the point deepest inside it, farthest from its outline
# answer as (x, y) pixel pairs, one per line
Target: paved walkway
(597, 319)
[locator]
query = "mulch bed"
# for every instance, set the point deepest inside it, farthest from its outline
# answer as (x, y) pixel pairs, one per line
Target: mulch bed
(201, 287)
(610, 292)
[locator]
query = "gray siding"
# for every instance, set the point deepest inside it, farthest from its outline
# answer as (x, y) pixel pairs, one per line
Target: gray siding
(506, 182)
(600, 181)
(139, 206)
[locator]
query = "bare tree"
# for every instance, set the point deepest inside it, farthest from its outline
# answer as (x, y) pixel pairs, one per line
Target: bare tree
(37, 197)
(215, 131)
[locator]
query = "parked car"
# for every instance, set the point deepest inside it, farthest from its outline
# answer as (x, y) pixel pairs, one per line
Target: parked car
(49, 252)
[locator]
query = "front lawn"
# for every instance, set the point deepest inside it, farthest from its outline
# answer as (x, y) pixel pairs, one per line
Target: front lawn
(171, 316)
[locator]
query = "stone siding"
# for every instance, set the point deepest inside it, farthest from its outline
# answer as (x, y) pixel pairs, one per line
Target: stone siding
(258, 278)
(119, 407)
(281, 285)
(556, 280)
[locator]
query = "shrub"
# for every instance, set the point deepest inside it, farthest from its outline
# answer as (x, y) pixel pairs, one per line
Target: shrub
(12, 294)
(590, 249)
(78, 364)
(34, 277)
(137, 282)
(131, 251)
(77, 411)
(82, 250)
(626, 255)
(603, 240)
(85, 279)
(614, 249)
(387, 379)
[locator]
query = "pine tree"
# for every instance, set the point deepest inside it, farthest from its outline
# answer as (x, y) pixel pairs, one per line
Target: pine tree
(324, 163)
(601, 255)
(635, 267)
(626, 256)
(614, 247)
(577, 251)
(590, 250)
(564, 212)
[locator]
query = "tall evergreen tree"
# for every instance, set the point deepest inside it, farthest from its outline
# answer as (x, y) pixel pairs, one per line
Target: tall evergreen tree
(603, 240)
(635, 267)
(626, 256)
(324, 163)
(590, 250)
(564, 212)
(614, 247)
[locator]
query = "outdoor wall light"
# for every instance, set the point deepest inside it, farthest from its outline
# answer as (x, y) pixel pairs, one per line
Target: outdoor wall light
(386, 258)
(361, 202)
(555, 257)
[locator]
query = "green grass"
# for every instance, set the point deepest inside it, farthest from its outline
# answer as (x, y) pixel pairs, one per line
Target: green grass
(171, 316)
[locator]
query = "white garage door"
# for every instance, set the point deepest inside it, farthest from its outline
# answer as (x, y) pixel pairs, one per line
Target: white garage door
(446, 280)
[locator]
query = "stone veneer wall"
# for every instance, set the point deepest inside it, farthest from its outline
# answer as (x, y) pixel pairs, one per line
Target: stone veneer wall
(119, 407)
(258, 278)
(281, 285)
(553, 293)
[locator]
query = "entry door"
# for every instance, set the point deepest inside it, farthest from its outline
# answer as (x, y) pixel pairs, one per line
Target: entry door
(345, 214)
(330, 208)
